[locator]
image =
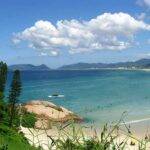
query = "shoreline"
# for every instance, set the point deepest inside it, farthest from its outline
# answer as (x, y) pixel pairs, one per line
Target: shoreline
(58, 113)
(138, 132)
(139, 128)
(136, 121)
(90, 69)
(48, 113)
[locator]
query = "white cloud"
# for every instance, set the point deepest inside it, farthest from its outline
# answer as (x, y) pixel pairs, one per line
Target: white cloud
(43, 54)
(141, 16)
(105, 32)
(147, 2)
(143, 2)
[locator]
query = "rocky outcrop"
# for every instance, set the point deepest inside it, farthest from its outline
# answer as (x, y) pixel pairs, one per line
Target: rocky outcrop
(48, 112)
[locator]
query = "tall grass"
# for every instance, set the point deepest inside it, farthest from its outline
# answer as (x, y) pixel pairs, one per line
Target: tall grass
(73, 137)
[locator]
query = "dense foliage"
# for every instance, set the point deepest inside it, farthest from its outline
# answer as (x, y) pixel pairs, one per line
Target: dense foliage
(28, 120)
(10, 139)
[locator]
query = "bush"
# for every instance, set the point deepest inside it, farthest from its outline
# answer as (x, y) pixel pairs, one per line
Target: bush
(28, 120)
(10, 139)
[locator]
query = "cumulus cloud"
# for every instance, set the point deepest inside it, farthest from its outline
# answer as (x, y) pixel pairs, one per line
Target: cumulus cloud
(105, 32)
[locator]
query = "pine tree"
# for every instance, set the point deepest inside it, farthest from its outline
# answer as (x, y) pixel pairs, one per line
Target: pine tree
(3, 78)
(14, 94)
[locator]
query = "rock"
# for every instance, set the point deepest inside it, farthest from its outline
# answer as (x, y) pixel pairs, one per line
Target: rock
(43, 123)
(47, 112)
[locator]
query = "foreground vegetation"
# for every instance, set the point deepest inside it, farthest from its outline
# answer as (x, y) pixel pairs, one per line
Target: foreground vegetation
(74, 137)
(10, 116)
(10, 139)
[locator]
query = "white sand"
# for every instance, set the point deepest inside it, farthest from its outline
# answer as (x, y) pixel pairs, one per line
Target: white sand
(41, 137)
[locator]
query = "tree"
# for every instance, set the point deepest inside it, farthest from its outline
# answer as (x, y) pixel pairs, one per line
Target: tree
(3, 78)
(14, 94)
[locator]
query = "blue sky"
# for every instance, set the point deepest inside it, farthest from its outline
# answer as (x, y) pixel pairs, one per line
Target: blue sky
(87, 44)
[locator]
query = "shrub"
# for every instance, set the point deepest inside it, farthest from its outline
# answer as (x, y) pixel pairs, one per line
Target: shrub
(10, 139)
(28, 120)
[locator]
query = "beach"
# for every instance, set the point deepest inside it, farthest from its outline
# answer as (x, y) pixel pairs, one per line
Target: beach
(44, 138)
(132, 132)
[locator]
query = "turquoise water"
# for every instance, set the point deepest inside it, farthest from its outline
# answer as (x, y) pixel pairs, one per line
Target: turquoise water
(99, 96)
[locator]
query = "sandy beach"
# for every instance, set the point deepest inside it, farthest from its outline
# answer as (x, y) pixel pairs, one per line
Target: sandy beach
(139, 131)
(43, 135)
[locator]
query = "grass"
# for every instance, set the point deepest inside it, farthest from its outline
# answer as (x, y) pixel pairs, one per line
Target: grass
(28, 120)
(78, 141)
(106, 140)
(10, 139)
(73, 137)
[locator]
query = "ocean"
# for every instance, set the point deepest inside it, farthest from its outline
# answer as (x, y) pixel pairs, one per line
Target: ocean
(99, 96)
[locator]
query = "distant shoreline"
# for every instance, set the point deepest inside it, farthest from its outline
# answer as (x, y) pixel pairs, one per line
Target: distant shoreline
(129, 65)
(90, 69)
(131, 69)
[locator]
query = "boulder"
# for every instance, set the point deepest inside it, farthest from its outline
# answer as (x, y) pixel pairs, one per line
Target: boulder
(47, 112)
